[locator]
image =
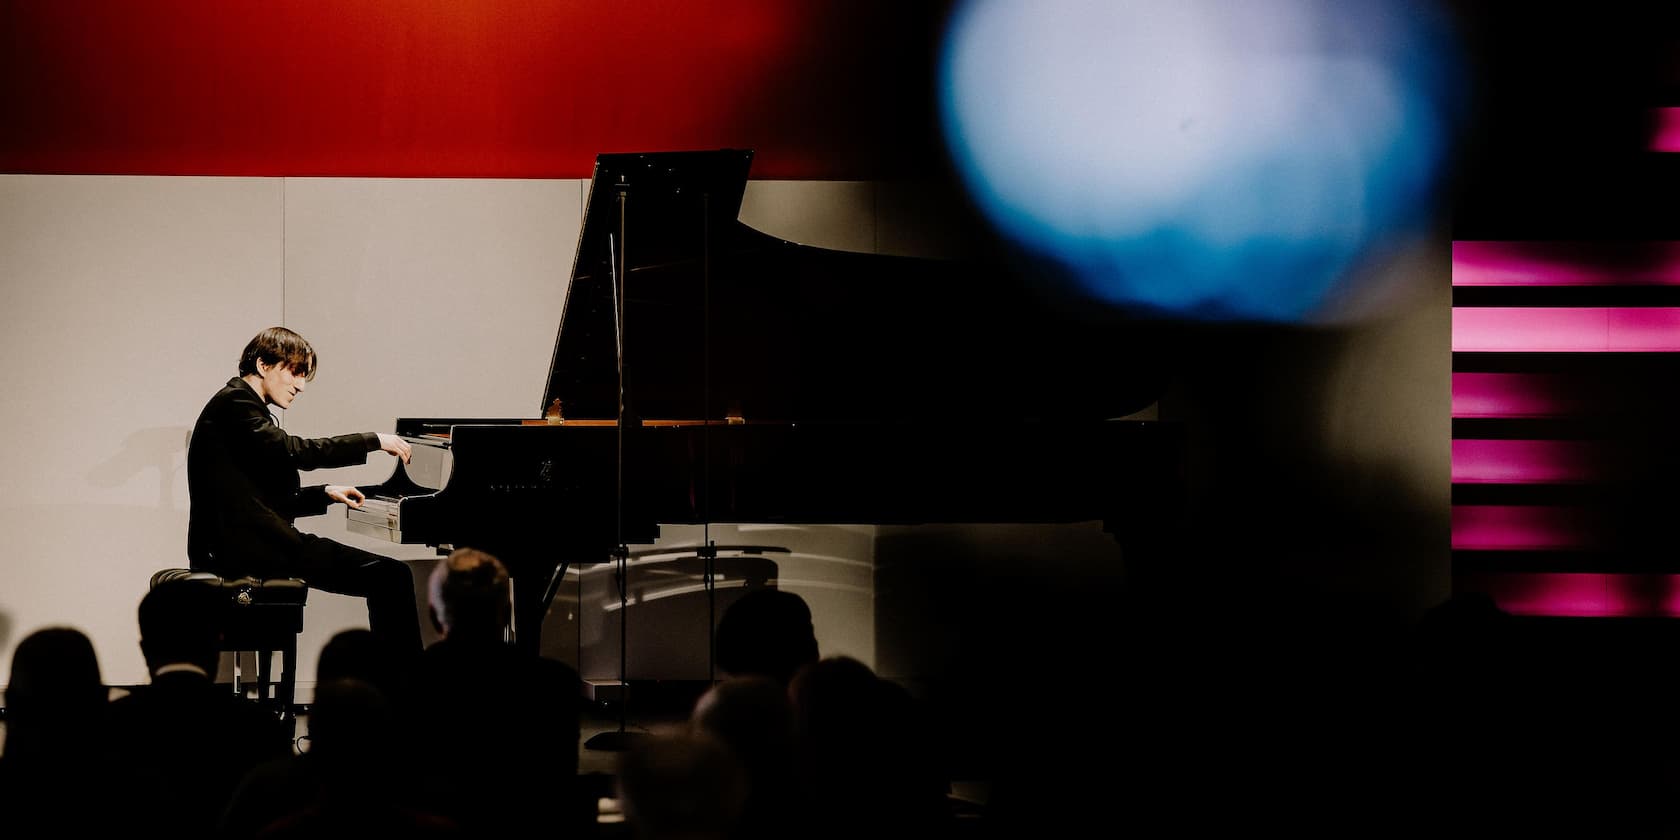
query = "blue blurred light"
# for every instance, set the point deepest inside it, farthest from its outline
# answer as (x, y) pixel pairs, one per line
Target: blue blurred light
(1221, 160)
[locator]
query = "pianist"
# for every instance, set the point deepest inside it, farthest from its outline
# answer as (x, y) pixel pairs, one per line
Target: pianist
(242, 478)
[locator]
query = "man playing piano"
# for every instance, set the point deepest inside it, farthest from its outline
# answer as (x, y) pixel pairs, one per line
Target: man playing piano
(242, 479)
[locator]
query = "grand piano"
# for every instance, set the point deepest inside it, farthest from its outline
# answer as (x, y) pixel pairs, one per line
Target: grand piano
(706, 372)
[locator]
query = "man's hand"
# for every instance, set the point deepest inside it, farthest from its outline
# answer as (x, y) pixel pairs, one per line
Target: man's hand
(396, 446)
(345, 495)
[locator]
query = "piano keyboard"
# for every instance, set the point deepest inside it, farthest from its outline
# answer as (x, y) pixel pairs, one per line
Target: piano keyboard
(428, 468)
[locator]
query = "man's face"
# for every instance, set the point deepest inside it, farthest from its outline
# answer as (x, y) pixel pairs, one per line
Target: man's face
(280, 384)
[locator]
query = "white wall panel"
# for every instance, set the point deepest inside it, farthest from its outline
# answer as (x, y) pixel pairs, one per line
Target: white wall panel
(126, 302)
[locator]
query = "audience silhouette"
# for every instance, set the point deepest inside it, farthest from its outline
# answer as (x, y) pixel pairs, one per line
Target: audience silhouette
(359, 654)
(753, 718)
(488, 707)
(866, 762)
(183, 741)
(355, 775)
(681, 786)
(1478, 721)
(55, 735)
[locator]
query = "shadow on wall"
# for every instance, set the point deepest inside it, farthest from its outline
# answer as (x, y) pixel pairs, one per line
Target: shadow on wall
(86, 565)
(160, 447)
(669, 610)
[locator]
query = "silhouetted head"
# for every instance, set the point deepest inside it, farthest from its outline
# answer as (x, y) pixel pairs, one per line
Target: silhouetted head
(767, 632)
(469, 595)
(180, 622)
(681, 785)
(866, 753)
(350, 717)
(753, 716)
(55, 689)
(349, 654)
(357, 654)
(840, 697)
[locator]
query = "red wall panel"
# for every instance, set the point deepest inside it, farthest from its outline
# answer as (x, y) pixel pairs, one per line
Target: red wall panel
(511, 88)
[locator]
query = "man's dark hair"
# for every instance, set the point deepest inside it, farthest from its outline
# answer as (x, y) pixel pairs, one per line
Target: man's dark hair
(180, 621)
(277, 345)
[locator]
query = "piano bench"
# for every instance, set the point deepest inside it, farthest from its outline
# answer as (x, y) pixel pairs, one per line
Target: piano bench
(264, 616)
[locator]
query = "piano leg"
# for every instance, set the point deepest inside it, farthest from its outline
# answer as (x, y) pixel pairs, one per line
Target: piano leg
(554, 582)
(536, 580)
(533, 592)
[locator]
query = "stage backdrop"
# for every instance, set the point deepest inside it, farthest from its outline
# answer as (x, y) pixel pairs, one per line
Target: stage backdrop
(422, 88)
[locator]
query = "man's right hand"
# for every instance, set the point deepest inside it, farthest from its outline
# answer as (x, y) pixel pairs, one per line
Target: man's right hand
(396, 446)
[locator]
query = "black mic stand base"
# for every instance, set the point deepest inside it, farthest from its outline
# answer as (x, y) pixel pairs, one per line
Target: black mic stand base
(615, 741)
(622, 739)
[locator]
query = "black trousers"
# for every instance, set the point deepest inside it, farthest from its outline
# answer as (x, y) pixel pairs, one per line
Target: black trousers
(334, 567)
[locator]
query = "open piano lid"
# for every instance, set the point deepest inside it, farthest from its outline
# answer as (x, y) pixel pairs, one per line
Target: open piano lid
(721, 319)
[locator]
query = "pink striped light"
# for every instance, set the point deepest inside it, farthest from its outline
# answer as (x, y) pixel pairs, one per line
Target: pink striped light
(1495, 263)
(1566, 329)
(1527, 461)
(1523, 528)
(1578, 595)
(1518, 395)
(1666, 137)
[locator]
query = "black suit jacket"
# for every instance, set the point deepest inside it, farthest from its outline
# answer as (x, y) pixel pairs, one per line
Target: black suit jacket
(242, 477)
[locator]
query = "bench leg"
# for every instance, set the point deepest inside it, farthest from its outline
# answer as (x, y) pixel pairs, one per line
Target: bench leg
(288, 677)
(265, 673)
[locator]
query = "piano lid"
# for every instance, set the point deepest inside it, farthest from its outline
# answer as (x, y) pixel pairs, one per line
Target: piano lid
(721, 319)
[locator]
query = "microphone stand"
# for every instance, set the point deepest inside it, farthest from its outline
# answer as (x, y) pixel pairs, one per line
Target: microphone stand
(708, 550)
(621, 739)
